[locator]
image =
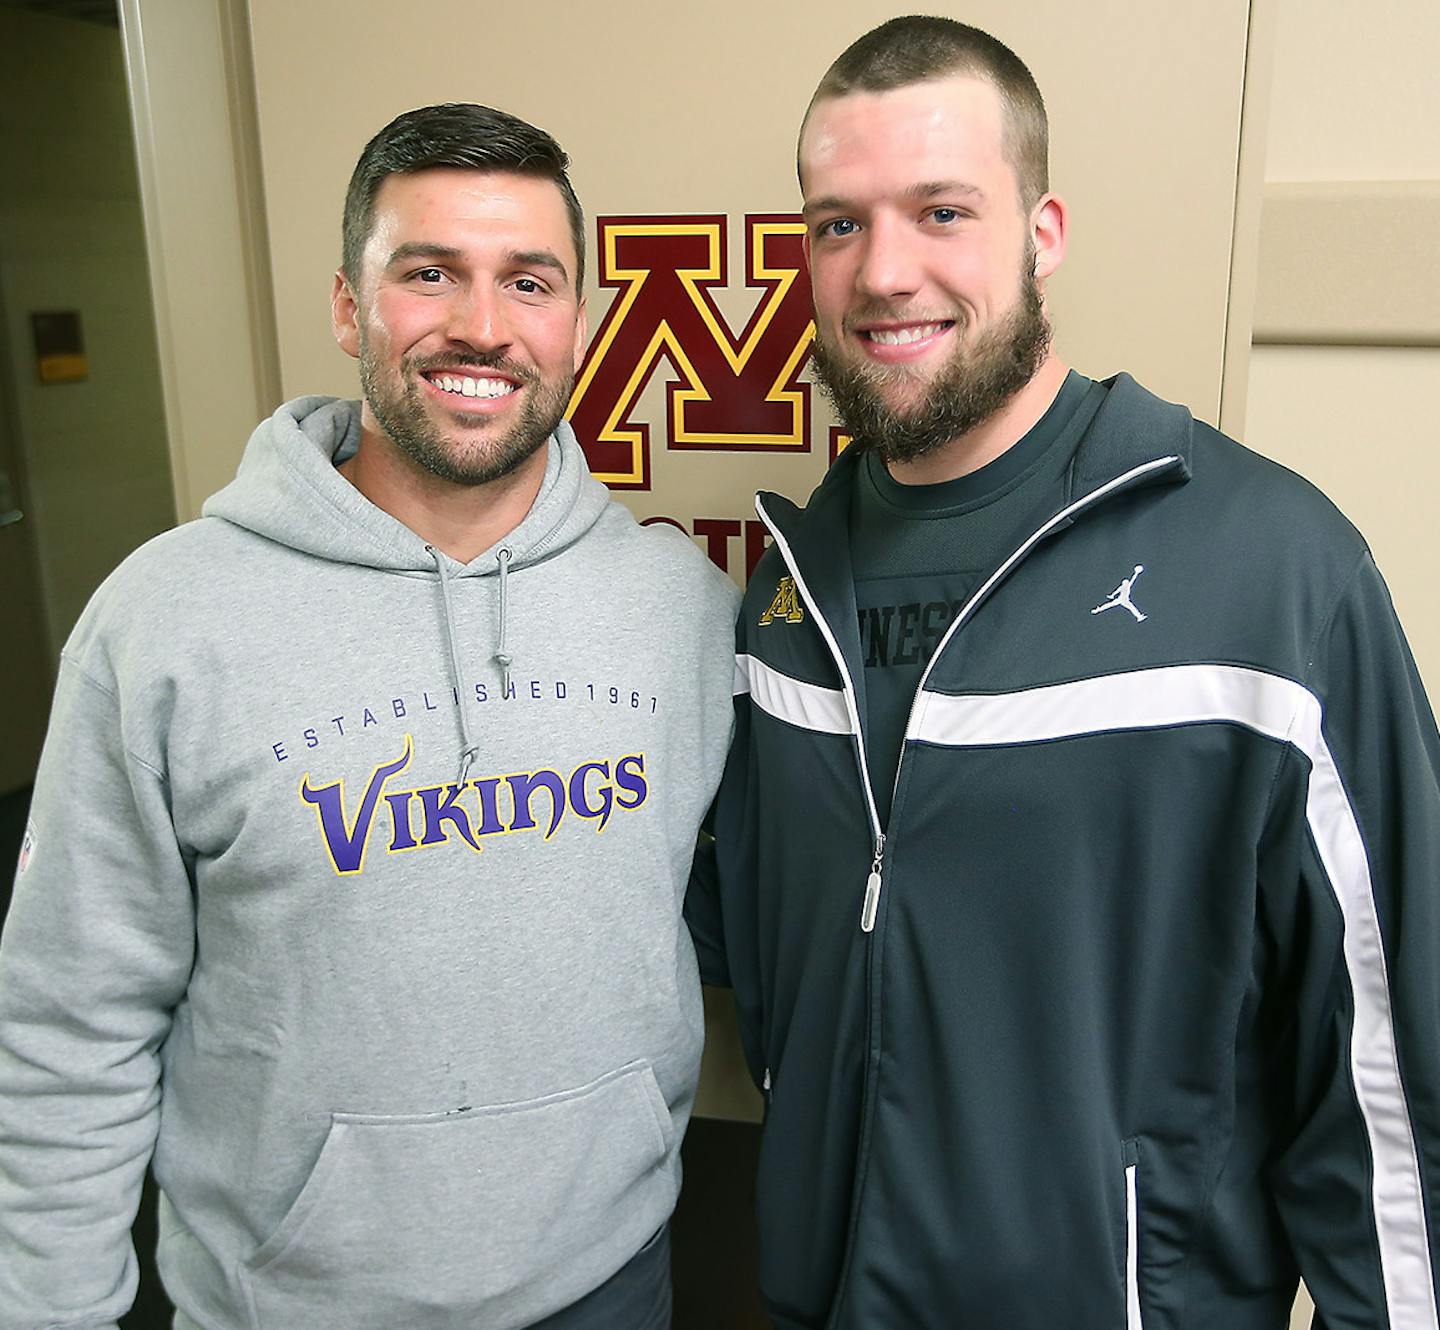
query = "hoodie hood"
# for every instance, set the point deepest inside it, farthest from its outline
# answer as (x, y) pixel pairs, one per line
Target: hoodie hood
(288, 490)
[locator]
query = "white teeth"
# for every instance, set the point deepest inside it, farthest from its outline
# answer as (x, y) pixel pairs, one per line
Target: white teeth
(467, 387)
(903, 336)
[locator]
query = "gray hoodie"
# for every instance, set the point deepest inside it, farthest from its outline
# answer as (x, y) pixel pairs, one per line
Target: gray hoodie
(353, 887)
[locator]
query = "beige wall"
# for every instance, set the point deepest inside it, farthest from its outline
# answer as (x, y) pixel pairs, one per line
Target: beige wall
(1346, 373)
(1355, 95)
(71, 238)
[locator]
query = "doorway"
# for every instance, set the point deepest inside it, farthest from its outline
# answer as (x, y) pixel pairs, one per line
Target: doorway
(84, 464)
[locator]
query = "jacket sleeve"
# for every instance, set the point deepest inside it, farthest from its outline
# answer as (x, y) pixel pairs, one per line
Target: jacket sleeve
(720, 901)
(96, 953)
(1358, 1179)
(702, 910)
(722, 904)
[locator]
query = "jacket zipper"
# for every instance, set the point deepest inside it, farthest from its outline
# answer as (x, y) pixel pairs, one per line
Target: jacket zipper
(852, 708)
(872, 887)
(871, 904)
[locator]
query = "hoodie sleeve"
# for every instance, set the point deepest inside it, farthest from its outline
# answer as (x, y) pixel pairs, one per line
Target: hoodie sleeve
(1358, 1182)
(96, 953)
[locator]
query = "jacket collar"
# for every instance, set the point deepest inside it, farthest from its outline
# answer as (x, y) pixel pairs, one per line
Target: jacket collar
(818, 540)
(1132, 427)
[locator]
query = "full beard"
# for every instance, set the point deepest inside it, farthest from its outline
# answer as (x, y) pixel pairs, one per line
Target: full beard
(402, 411)
(973, 385)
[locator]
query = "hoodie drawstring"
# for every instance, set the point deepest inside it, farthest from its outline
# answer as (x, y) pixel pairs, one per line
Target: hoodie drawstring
(468, 747)
(502, 657)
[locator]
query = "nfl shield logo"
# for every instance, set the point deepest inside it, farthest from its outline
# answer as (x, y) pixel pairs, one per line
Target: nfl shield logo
(27, 848)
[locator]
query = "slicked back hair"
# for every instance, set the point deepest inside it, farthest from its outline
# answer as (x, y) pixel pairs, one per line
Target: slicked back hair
(461, 135)
(919, 48)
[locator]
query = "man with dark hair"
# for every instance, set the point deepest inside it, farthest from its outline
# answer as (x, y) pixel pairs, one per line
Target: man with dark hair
(465, 136)
(313, 904)
(1080, 842)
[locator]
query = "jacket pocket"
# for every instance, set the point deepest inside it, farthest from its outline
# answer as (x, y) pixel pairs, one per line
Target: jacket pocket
(1130, 1157)
(493, 1216)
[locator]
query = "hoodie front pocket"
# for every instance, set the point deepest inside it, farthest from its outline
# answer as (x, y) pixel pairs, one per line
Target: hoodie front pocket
(1130, 1156)
(495, 1216)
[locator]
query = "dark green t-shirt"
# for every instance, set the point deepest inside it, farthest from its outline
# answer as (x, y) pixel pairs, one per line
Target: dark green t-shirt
(919, 551)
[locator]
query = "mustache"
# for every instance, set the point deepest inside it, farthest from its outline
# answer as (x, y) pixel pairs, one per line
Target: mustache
(440, 361)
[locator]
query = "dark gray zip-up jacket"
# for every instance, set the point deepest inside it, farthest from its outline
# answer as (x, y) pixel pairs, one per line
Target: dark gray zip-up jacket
(1132, 1010)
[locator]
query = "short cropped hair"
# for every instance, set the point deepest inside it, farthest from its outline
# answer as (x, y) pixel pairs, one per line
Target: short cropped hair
(456, 134)
(919, 48)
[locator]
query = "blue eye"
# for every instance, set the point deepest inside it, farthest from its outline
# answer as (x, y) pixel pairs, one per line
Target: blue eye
(839, 227)
(945, 215)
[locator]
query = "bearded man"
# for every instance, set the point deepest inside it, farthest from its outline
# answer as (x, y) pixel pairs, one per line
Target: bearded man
(1080, 842)
(313, 905)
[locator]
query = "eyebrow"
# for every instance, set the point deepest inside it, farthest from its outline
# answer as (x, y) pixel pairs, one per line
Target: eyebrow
(420, 249)
(930, 188)
(924, 189)
(523, 258)
(539, 258)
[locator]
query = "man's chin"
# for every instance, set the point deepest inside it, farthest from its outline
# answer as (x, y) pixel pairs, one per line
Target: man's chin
(903, 408)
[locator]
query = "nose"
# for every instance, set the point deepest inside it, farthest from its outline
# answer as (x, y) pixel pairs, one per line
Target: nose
(890, 263)
(476, 318)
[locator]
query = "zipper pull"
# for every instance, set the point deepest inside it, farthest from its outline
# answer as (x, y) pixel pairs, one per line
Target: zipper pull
(872, 888)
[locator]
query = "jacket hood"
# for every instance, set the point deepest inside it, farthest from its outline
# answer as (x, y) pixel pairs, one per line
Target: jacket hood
(288, 490)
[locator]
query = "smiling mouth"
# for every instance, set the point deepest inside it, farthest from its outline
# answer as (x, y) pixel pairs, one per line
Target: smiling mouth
(466, 385)
(914, 332)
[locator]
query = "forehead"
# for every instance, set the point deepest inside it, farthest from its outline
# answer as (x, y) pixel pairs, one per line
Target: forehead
(469, 210)
(943, 129)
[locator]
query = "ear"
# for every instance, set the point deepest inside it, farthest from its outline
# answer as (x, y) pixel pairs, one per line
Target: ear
(805, 248)
(345, 316)
(1049, 232)
(581, 334)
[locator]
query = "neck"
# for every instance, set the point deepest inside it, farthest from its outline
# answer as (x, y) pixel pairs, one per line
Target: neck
(991, 437)
(462, 520)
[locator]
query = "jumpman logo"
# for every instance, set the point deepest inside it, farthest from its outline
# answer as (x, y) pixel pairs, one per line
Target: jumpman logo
(1121, 596)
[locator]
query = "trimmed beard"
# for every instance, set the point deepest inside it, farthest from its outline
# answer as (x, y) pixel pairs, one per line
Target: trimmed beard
(968, 389)
(401, 410)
